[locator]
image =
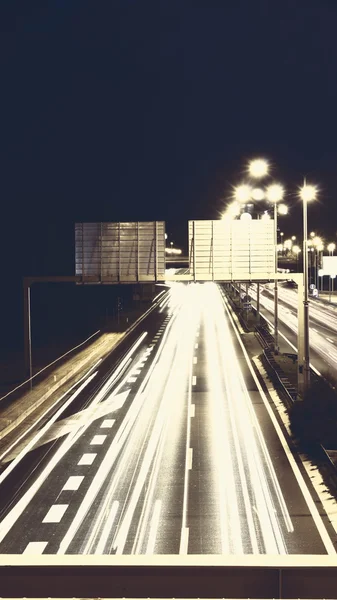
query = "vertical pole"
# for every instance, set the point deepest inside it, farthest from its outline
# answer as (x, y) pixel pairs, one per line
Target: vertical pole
(27, 332)
(300, 338)
(276, 344)
(258, 304)
(155, 252)
(306, 365)
(193, 249)
(330, 281)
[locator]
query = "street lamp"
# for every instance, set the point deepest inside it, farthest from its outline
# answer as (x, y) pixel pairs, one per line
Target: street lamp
(274, 194)
(257, 168)
(331, 247)
(307, 193)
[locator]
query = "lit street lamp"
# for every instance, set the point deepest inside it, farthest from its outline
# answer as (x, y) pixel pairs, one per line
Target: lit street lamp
(258, 168)
(307, 194)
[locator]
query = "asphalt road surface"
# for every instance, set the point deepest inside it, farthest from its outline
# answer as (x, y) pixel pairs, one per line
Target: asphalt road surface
(322, 320)
(172, 449)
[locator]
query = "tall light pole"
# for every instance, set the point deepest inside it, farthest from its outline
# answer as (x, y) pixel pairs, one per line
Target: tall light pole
(307, 193)
(331, 247)
(274, 194)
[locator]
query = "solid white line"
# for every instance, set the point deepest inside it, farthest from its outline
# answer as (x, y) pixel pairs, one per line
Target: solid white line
(190, 458)
(194, 380)
(297, 473)
(73, 482)
(153, 528)
(184, 540)
(98, 440)
(292, 345)
(35, 548)
(87, 459)
(107, 423)
(55, 513)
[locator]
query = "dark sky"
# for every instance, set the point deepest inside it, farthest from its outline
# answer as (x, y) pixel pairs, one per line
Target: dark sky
(149, 109)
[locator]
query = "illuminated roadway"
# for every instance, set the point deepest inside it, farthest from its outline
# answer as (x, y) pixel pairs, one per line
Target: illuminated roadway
(322, 319)
(174, 449)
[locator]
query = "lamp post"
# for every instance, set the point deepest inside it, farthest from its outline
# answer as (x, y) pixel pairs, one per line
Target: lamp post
(296, 251)
(307, 193)
(274, 194)
(331, 247)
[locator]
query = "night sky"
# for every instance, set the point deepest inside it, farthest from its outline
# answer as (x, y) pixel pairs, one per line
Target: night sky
(149, 109)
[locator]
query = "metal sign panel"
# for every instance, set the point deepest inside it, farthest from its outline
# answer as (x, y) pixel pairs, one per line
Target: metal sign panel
(329, 265)
(231, 249)
(121, 252)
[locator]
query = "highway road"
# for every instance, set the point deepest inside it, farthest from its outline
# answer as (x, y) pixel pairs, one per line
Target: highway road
(171, 449)
(322, 319)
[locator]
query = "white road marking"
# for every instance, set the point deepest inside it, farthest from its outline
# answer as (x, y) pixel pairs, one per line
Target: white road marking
(35, 548)
(184, 540)
(44, 429)
(73, 482)
(194, 380)
(107, 527)
(153, 528)
(87, 459)
(313, 329)
(190, 458)
(292, 345)
(329, 340)
(295, 468)
(136, 372)
(196, 345)
(192, 410)
(55, 513)
(98, 440)
(132, 379)
(195, 360)
(107, 423)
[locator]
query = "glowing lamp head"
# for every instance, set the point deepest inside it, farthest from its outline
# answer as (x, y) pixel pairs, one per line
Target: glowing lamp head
(331, 247)
(282, 209)
(258, 168)
(243, 193)
(308, 192)
(257, 194)
(296, 250)
(275, 192)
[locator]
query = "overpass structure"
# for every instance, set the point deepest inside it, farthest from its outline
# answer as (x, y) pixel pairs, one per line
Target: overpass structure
(219, 251)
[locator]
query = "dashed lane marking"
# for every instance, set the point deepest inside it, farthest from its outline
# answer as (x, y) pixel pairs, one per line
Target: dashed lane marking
(73, 482)
(98, 440)
(196, 345)
(35, 548)
(55, 513)
(195, 360)
(329, 340)
(132, 379)
(107, 423)
(136, 372)
(194, 380)
(192, 410)
(87, 459)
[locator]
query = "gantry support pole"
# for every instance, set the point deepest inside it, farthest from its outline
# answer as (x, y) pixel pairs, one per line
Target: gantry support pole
(27, 331)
